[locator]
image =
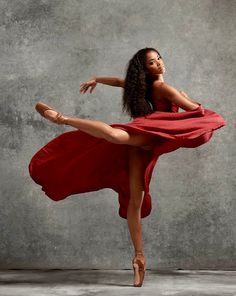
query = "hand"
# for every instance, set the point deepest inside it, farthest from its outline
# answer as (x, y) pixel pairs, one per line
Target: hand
(90, 83)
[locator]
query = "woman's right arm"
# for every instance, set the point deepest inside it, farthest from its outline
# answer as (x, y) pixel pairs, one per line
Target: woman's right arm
(113, 81)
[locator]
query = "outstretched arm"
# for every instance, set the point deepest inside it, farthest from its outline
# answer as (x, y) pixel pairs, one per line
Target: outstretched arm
(184, 94)
(121, 82)
(113, 81)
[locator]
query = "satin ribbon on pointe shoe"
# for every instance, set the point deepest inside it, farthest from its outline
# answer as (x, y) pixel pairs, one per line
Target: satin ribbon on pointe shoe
(59, 118)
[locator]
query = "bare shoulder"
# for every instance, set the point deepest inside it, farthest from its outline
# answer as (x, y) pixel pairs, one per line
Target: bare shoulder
(159, 90)
(163, 86)
(156, 85)
(169, 92)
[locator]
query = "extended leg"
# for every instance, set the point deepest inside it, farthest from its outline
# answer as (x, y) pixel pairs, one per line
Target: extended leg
(103, 130)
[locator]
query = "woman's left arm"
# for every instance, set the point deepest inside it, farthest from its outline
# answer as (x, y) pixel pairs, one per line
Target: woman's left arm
(186, 96)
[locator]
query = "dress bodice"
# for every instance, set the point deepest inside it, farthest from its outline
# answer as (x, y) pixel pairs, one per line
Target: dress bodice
(165, 105)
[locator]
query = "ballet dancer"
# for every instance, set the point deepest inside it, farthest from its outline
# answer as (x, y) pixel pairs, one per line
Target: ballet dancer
(143, 89)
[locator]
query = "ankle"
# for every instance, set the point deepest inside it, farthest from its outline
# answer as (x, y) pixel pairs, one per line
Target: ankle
(65, 120)
(138, 252)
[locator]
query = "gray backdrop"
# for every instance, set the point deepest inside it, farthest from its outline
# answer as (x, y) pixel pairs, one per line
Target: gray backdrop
(47, 49)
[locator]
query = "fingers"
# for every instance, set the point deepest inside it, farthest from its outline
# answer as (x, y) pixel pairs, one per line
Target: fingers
(84, 86)
(83, 89)
(92, 88)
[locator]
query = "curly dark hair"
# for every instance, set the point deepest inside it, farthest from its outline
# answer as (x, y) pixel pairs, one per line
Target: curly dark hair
(137, 90)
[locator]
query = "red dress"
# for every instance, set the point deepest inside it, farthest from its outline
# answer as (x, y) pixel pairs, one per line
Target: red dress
(75, 162)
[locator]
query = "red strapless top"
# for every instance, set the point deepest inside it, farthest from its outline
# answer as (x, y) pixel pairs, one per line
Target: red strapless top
(165, 105)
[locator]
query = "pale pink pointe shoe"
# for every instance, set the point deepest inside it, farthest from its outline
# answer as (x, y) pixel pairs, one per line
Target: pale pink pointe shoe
(139, 267)
(57, 117)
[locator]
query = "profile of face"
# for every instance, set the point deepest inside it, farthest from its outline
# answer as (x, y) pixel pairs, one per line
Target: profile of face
(154, 63)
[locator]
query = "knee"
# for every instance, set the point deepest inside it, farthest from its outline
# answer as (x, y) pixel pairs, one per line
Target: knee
(116, 137)
(136, 203)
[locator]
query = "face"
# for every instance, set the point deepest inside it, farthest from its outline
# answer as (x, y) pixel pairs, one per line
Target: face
(154, 63)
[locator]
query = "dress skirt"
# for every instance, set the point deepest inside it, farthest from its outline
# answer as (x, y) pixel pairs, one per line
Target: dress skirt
(75, 162)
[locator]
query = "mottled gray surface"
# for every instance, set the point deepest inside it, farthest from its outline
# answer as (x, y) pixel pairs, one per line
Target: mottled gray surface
(47, 49)
(116, 283)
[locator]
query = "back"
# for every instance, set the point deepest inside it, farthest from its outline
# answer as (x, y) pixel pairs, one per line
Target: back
(162, 91)
(162, 104)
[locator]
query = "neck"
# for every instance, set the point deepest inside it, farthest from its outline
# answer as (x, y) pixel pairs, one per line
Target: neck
(157, 77)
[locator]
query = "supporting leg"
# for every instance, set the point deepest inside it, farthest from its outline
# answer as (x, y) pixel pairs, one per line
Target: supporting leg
(136, 179)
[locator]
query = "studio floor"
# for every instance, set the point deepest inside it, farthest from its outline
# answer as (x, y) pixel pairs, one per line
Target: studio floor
(116, 282)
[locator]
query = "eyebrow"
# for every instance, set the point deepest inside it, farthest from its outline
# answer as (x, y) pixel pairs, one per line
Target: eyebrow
(153, 59)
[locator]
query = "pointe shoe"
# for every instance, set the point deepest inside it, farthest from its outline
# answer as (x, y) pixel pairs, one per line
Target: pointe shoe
(59, 118)
(139, 267)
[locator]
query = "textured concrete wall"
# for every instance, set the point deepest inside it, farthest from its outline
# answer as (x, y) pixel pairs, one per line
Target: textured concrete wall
(47, 49)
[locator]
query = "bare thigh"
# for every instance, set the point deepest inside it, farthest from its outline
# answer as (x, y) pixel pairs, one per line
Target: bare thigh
(120, 136)
(136, 171)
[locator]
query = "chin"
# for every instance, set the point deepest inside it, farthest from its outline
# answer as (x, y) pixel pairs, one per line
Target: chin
(161, 72)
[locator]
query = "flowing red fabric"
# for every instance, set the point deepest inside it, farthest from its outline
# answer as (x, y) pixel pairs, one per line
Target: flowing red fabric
(75, 162)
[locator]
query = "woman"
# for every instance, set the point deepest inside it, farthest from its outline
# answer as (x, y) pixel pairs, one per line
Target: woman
(157, 127)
